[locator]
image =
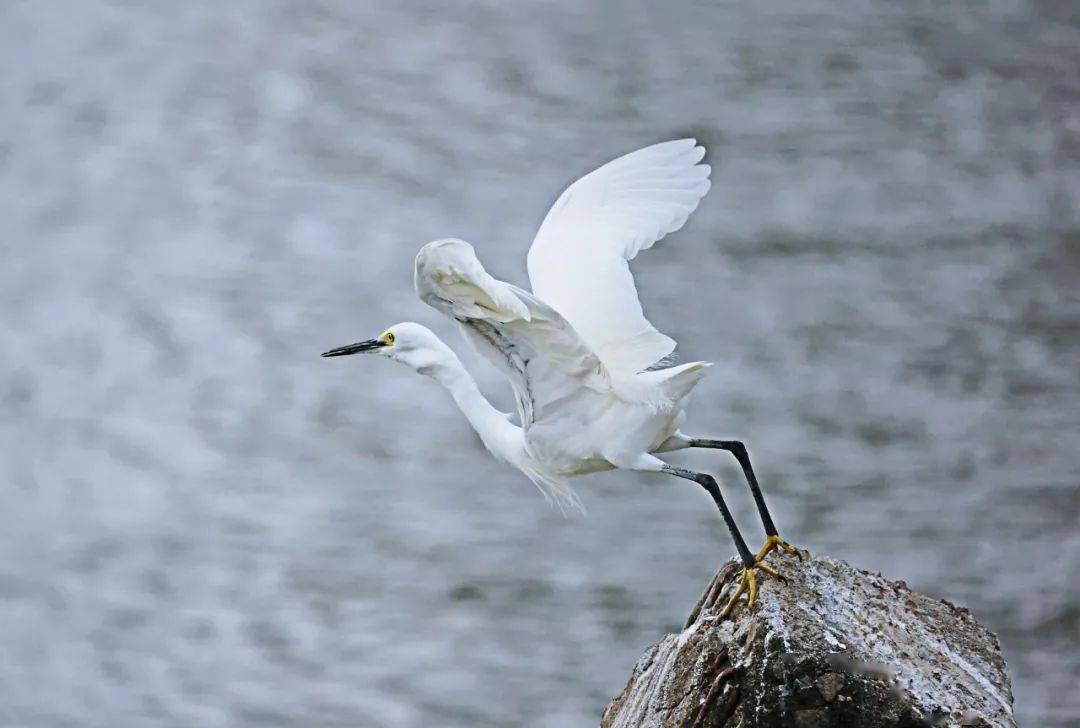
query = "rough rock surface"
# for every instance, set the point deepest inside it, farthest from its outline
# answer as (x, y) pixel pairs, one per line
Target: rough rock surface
(833, 646)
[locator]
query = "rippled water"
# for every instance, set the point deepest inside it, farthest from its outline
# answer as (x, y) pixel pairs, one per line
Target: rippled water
(205, 524)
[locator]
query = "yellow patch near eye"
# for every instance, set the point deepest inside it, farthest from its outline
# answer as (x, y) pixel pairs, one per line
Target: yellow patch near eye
(387, 338)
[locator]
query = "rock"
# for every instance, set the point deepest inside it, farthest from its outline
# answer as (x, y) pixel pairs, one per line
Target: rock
(833, 647)
(811, 718)
(829, 685)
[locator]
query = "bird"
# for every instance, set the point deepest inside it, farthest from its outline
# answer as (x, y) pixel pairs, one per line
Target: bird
(592, 378)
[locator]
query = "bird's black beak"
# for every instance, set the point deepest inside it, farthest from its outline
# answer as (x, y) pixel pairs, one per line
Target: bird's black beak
(358, 348)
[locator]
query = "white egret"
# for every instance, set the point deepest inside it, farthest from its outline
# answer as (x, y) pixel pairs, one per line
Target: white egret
(585, 365)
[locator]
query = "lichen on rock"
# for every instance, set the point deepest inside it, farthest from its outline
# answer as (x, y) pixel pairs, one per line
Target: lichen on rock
(830, 646)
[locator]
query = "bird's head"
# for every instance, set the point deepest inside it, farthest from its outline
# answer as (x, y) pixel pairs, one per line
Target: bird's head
(407, 342)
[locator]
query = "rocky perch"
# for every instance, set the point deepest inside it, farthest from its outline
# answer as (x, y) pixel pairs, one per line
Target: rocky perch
(833, 646)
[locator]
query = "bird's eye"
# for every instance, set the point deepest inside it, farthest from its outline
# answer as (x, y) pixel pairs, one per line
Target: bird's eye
(389, 338)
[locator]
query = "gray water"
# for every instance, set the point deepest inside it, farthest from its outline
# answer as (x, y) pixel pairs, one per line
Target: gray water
(205, 524)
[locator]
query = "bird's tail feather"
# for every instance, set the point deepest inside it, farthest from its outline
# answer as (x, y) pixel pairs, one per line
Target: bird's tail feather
(556, 491)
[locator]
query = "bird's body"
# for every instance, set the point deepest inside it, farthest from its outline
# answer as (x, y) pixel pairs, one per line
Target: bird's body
(577, 415)
(587, 368)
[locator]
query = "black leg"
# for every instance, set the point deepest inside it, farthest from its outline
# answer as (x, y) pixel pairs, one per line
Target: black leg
(748, 577)
(737, 449)
(709, 483)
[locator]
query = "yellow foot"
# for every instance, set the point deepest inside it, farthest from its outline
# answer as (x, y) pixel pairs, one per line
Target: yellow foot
(772, 543)
(748, 585)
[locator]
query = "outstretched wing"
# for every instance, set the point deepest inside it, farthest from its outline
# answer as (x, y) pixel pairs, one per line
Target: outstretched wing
(579, 260)
(544, 358)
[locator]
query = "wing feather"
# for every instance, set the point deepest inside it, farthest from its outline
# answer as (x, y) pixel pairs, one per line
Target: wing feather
(579, 260)
(544, 358)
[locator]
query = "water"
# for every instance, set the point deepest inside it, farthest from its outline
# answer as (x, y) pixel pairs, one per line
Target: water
(206, 524)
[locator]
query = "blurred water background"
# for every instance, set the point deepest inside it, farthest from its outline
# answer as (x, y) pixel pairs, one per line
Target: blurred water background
(205, 524)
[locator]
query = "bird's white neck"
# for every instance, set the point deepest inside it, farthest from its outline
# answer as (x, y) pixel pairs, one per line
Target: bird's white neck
(499, 435)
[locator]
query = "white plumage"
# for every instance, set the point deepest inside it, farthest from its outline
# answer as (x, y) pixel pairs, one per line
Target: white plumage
(579, 261)
(578, 351)
(524, 338)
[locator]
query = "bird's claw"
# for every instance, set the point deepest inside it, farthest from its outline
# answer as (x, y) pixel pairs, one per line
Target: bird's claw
(772, 543)
(748, 585)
